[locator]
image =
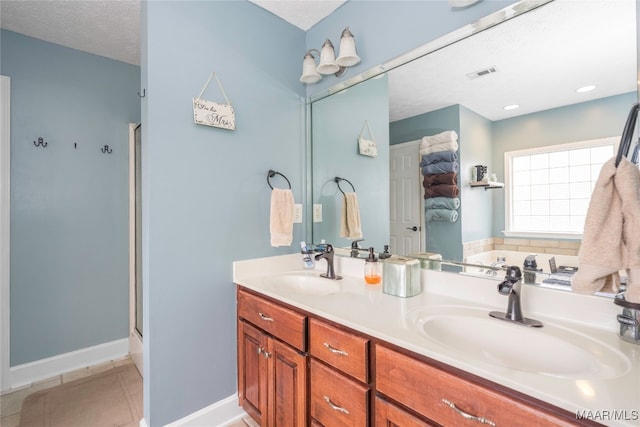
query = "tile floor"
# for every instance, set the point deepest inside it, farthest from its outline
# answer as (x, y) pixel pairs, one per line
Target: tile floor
(11, 401)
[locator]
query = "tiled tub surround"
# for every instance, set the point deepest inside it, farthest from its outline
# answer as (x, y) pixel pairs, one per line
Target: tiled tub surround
(535, 246)
(366, 309)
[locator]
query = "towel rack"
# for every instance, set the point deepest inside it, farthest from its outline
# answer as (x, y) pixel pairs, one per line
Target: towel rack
(337, 179)
(627, 133)
(273, 173)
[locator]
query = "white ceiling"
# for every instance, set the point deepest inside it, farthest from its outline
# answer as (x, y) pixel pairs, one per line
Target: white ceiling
(535, 70)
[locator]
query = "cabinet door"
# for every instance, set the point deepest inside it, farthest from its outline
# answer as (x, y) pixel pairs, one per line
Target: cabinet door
(389, 415)
(252, 371)
(287, 394)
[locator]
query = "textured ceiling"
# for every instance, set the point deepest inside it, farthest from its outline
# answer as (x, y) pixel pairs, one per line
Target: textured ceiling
(105, 28)
(541, 57)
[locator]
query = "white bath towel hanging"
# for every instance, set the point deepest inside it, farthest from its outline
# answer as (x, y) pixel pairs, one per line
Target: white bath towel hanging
(281, 217)
(350, 225)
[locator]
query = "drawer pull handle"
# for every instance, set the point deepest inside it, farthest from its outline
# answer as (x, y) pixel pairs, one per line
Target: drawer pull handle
(466, 415)
(335, 407)
(266, 354)
(265, 317)
(335, 350)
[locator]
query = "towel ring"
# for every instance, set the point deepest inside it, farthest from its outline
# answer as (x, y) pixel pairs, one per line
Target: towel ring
(273, 173)
(337, 179)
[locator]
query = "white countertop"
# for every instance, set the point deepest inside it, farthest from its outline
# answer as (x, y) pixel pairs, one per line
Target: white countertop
(367, 309)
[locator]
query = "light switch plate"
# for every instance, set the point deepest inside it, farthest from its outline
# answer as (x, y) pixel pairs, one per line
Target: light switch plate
(317, 212)
(297, 214)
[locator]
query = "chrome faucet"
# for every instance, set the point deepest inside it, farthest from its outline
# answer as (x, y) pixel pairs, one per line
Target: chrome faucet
(499, 263)
(328, 254)
(355, 248)
(511, 286)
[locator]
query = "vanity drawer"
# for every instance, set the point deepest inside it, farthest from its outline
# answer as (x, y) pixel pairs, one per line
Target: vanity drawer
(427, 390)
(389, 415)
(337, 400)
(283, 323)
(343, 350)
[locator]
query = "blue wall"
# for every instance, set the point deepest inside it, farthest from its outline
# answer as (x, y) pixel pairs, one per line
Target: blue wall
(206, 200)
(69, 206)
(337, 123)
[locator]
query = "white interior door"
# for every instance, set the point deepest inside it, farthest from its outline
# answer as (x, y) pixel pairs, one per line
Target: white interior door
(406, 199)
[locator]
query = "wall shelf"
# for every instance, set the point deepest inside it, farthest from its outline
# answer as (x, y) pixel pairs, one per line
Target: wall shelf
(487, 185)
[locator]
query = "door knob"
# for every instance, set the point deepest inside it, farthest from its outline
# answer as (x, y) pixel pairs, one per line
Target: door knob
(414, 228)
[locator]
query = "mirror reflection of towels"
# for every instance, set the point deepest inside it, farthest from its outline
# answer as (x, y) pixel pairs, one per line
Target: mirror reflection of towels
(441, 215)
(281, 217)
(350, 226)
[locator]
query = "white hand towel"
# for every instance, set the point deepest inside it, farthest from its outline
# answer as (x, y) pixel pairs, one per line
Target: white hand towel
(446, 136)
(441, 146)
(281, 217)
(350, 226)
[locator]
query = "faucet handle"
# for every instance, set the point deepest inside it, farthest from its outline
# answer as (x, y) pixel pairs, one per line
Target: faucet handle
(354, 244)
(513, 273)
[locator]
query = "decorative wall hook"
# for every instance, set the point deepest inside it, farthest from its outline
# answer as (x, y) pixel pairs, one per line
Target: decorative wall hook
(143, 93)
(106, 149)
(41, 142)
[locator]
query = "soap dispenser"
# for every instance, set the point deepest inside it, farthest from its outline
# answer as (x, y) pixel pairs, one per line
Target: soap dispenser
(372, 269)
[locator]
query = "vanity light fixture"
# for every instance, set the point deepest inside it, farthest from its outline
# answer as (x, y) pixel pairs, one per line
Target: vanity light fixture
(511, 107)
(329, 64)
(585, 89)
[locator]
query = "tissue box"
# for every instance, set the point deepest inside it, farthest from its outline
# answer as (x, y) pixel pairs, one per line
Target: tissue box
(401, 277)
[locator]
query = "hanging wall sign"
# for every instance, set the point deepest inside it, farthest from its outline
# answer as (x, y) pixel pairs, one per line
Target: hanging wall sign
(367, 147)
(210, 113)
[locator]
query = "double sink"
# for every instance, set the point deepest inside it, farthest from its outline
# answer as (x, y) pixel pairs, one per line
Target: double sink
(555, 350)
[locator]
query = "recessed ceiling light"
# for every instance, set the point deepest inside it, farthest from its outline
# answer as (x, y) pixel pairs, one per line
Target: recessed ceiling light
(511, 107)
(585, 89)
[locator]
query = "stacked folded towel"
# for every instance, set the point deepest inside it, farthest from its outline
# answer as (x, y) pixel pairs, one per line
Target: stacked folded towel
(441, 190)
(441, 178)
(444, 141)
(441, 215)
(439, 165)
(442, 203)
(611, 237)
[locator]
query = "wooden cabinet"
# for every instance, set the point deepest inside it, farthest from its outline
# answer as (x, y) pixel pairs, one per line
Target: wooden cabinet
(450, 400)
(337, 399)
(390, 415)
(350, 379)
(272, 375)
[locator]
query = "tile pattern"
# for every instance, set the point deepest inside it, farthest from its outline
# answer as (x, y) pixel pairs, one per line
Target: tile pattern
(557, 247)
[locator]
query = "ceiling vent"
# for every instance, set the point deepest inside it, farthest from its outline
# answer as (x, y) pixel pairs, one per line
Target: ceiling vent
(481, 73)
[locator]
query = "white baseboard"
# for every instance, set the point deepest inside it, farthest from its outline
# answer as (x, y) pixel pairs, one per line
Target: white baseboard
(43, 369)
(218, 414)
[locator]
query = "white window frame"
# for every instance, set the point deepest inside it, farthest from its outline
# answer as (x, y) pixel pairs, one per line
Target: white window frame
(508, 155)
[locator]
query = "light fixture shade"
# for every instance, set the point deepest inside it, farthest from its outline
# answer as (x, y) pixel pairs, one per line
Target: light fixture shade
(309, 72)
(348, 55)
(327, 59)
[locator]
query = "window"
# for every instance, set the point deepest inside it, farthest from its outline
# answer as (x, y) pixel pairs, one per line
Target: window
(548, 188)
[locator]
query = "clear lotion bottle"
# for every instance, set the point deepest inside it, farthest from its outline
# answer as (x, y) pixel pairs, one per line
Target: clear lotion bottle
(372, 272)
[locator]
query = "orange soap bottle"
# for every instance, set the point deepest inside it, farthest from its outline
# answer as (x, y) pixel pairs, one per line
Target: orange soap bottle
(372, 269)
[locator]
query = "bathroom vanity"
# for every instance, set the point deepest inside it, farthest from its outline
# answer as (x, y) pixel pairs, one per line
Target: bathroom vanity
(314, 351)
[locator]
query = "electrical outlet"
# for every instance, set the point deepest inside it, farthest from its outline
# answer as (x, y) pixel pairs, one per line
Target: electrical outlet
(297, 214)
(317, 213)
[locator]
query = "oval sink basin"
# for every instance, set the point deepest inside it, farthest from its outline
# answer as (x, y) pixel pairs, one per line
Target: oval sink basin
(550, 350)
(303, 282)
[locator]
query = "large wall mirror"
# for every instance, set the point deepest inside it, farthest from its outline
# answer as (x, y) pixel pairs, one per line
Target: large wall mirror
(537, 60)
